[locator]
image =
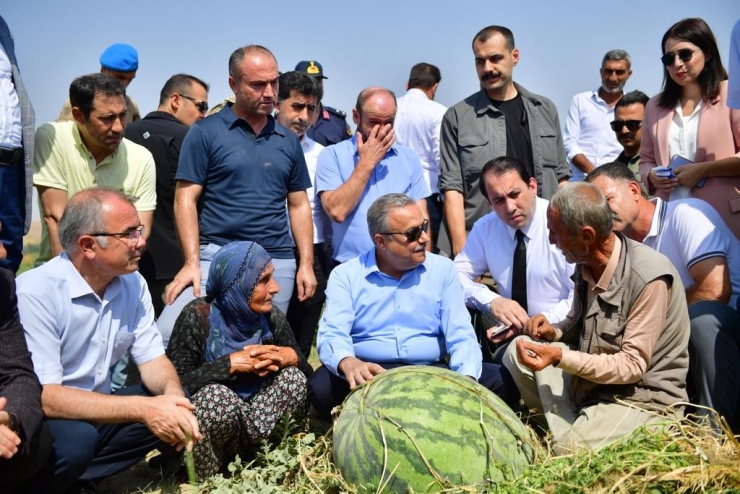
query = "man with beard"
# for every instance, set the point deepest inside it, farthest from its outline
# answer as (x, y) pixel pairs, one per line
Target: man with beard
(627, 126)
(299, 96)
(589, 142)
(351, 175)
(87, 152)
(502, 119)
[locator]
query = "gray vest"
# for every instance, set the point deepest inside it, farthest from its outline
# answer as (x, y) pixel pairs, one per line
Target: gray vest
(599, 329)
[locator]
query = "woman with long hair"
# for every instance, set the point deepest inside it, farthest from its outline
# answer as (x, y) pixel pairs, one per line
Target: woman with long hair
(690, 118)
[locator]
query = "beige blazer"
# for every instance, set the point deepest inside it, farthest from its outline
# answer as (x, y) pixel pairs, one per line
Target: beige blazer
(718, 137)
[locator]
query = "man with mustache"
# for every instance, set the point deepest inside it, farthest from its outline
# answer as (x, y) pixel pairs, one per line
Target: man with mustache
(299, 96)
(80, 312)
(502, 119)
(87, 152)
(589, 142)
(396, 305)
(354, 173)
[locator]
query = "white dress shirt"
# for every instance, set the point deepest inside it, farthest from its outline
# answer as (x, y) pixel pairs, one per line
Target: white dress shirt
(10, 108)
(417, 126)
(587, 132)
(311, 150)
(490, 247)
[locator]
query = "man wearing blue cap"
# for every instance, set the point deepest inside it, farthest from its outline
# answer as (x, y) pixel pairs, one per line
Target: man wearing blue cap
(331, 124)
(120, 61)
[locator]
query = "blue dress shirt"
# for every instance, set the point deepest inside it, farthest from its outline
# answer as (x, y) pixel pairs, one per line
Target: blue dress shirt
(74, 335)
(399, 171)
(419, 319)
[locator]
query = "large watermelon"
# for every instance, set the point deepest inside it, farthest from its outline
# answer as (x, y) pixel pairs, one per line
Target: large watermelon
(427, 428)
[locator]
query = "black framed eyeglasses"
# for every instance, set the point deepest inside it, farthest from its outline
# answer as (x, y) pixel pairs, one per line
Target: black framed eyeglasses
(202, 106)
(684, 55)
(133, 236)
(413, 234)
(632, 125)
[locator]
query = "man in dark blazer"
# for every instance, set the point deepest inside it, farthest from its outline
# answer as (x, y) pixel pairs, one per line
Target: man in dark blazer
(16, 153)
(25, 442)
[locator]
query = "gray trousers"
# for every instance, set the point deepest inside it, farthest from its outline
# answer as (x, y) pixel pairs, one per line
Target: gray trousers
(714, 358)
(572, 429)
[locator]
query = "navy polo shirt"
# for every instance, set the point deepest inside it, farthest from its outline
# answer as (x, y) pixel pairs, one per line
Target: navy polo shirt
(246, 180)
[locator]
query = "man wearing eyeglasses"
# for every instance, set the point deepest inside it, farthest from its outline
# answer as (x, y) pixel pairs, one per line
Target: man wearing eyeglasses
(396, 305)
(80, 312)
(90, 151)
(354, 173)
(182, 102)
(629, 113)
(587, 138)
(693, 236)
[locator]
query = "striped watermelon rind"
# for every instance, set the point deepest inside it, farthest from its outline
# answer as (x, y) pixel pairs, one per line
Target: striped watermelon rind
(428, 428)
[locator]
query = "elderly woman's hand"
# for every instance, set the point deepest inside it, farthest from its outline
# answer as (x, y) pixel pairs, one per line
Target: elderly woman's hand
(262, 359)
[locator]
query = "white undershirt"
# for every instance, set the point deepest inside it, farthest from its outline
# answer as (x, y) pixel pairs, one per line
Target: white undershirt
(10, 109)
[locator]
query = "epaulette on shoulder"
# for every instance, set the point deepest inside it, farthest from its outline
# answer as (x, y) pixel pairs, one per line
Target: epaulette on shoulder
(336, 112)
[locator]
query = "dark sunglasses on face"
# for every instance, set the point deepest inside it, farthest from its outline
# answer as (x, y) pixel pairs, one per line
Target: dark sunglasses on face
(414, 233)
(684, 55)
(202, 106)
(632, 125)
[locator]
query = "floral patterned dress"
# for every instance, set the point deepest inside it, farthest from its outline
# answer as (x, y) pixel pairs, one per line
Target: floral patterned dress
(229, 423)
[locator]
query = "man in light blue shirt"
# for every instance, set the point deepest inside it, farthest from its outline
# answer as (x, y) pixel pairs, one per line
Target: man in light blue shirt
(396, 305)
(354, 173)
(81, 312)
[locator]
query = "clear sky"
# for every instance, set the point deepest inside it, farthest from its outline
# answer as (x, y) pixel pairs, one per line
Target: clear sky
(360, 44)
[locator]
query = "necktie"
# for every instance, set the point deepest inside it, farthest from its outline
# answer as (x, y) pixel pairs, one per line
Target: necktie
(519, 272)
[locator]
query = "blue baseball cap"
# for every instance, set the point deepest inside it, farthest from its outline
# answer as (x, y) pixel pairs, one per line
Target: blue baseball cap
(120, 57)
(312, 68)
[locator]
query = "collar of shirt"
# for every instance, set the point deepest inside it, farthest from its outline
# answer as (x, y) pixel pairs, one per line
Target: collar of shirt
(78, 287)
(307, 144)
(415, 94)
(232, 120)
(392, 151)
(162, 115)
(656, 226)
(78, 142)
(370, 265)
(602, 285)
(482, 103)
(599, 100)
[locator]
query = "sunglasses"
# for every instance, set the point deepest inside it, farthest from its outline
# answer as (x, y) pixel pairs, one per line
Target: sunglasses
(684, 55)
(631, 125)
(413, 234)
(202, 106)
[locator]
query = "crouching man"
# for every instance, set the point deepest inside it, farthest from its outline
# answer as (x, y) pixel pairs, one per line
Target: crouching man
(619, 359)
(81, 312)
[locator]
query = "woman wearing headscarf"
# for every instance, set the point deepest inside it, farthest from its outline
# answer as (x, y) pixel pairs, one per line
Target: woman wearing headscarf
(690, 118)
(236, 355)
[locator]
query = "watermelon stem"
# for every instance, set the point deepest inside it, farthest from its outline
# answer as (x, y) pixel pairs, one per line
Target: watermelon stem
(429, 466)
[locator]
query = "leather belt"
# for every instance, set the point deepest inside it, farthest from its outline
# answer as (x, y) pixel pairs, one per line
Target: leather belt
(10, 156)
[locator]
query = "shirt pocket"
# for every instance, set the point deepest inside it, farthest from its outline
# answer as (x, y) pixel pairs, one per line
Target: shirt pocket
(426, 317)
(472, 150)
(609, 332)
(121, 344)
